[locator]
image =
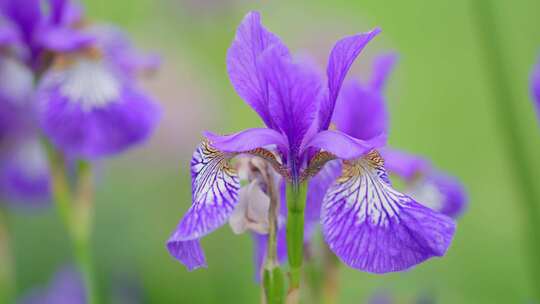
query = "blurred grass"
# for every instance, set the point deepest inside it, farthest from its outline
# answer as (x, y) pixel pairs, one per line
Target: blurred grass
(440, 108)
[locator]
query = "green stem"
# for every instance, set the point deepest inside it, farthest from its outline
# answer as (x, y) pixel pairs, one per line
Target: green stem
(331, 276)
(7, 274)
(507, 119)
(76, 210)
(83, 215)
(296, 202)
(273, 281)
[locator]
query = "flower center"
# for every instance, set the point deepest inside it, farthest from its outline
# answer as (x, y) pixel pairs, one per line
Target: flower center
(90, 83)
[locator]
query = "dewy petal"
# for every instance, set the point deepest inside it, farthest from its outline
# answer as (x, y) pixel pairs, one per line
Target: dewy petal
(244, 72)
(341, 58)
(294, 95)
(89, 111)
(344, 146)
(405, 165)
(215, 186)
(246, 140)
(374, 228)
(535, 87)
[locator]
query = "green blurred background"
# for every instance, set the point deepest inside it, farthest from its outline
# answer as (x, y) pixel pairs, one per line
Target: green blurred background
(441, 107)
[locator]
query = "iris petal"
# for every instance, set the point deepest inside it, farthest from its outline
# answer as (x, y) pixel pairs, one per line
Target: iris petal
(246, 140)
(215, 186)
(374, 228)
(250, 42)
(294, 95)
(344, 146)
(341, 58)
(190, 253)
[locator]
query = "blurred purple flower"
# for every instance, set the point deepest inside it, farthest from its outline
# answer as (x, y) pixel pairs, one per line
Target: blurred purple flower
(87, 101)
(535, 87)
(24, 173)
(87, 110)
(16, 87)
(119, 50)
(368, 224)
(24, 176)
(429, 186)
(66, 287)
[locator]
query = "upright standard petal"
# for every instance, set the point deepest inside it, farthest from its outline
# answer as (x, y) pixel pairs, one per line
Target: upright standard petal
(382, 67)
(294, 95)
(372, 227)
(360, 109)
(119, 50)
(63, 39)
(360, 112)
(251, 40)
(535, 87)
(215, 186)
(89, 111)
(341, 58)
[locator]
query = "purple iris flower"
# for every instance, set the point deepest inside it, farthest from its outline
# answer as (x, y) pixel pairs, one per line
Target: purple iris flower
(88, 110)
(535, 87)
(55, 28)
(368, 224)
(24, 175)
(66, 287)
(87, 103)
(428, 185)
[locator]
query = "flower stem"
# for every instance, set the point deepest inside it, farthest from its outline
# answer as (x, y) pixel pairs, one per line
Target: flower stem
(83, 216)
(76, 210)
(296, 202)
(273, 281)
(507, 119)
(7, 275)
(331, 276)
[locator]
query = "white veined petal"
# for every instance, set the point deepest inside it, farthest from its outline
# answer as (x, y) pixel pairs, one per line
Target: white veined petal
(88, 82)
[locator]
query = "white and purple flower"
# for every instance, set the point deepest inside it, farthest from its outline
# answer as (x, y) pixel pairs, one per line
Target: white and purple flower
(367, 223)
(87, 110)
